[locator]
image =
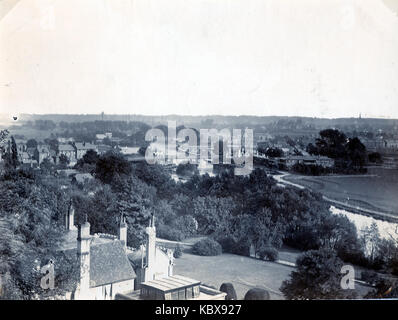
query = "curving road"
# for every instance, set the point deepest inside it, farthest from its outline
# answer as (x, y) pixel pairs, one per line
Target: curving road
(360, 210)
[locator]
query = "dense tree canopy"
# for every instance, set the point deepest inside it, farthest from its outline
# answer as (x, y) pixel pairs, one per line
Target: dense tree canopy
(347, 152)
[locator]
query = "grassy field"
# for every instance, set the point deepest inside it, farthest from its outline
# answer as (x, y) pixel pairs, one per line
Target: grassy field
(377, 190)
(243, 272)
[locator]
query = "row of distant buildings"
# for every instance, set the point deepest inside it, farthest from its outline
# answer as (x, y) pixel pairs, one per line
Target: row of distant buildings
(73, 151)
(36, 155)
(380, 145)
(289, 161)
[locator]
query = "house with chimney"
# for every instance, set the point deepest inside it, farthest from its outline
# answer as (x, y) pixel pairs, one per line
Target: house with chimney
(99, 261)
(83, 147)
(155, 277)
(21, 145)
(43, 152)
(69, 151)
(105, 268)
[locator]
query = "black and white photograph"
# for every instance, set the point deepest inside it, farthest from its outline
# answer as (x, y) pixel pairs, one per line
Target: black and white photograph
(201, 150)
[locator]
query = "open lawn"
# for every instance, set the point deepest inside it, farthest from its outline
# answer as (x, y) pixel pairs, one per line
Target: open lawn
(376, 191)
(243, 272)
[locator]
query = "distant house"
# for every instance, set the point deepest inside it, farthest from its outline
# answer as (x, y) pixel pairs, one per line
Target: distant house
(322, 161)
(81, 178)
(116, 140)
(103, 148)
(82, 148)
(286, 151)
(29, 163)
(23, 157)
(31, 151)
(325, 161)
(102, 136)
(129, 150)
(65, 140)
(42, 152)
(261, 137)
(21, 145)
(68, 150)
(26, 161)
(391, 144)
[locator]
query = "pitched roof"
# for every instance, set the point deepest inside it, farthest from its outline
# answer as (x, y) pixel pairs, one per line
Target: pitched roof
(129, 150)
(108, 263)
(82, 177)
(25, 155)
(103, 148)
(85, 146)
(66, 147)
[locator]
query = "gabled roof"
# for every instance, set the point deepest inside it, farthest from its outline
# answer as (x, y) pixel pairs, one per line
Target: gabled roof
(25, 155)
(85, 146)
(103, 148)
(108, 263)
(66, 147)
(129, 150)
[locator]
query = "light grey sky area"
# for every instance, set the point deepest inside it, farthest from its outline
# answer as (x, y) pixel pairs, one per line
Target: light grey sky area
(317, 58)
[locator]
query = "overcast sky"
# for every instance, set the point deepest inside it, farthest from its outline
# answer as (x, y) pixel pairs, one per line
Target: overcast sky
(321, 58)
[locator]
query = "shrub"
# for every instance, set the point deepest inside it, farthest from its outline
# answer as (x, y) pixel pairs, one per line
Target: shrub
(268, 253)
(177, 252)
(229, 245)
(317, 276)
(257, 294)
(229, 289)
(207, 247)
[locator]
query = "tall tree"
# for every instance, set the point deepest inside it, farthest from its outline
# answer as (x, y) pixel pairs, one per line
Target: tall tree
(317, 277)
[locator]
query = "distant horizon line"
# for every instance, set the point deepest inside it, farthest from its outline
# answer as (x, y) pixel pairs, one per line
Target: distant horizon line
(202, 115)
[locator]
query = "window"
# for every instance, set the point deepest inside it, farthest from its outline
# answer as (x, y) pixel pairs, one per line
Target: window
(191, 293)
(159, 295)
(174, 295)
(196, 291)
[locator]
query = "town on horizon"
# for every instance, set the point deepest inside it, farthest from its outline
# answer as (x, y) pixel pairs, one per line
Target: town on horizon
(138, 160)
